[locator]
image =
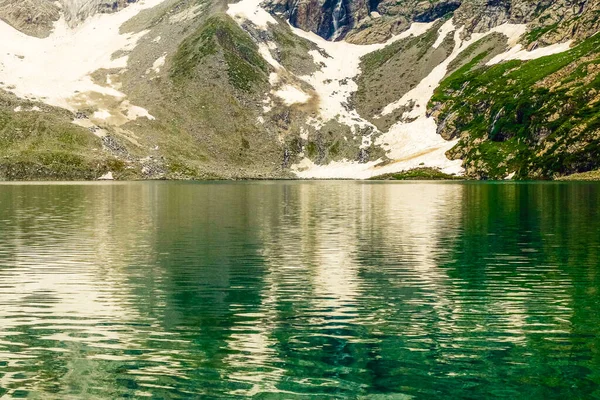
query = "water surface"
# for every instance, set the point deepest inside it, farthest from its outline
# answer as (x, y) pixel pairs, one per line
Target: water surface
(300, 290)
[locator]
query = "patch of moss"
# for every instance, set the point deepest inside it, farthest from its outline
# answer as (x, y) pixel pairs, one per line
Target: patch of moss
(311, 150)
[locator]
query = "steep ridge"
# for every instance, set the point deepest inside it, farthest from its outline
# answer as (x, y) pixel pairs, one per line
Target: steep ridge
(182, 89)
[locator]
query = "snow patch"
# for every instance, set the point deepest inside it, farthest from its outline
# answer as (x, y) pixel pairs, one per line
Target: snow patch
(268, 105)
(413, 142)
(57, 69)
(292, 95)
(107, 177)
(186, 15)
(419, 96)
(265, 51)
(303, 133)
(443, 33)
(250, 10)
(21, 109)
(409, 146)
(512, 31)
(158, 64)
(334, 82)
(519, 53)
(135, 112)
(102, 114)
(113, 84)
(274, 78)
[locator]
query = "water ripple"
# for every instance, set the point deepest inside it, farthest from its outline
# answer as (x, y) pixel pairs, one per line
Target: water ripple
(299, 290)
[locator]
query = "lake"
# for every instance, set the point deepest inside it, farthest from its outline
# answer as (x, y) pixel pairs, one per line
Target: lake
(285, 290)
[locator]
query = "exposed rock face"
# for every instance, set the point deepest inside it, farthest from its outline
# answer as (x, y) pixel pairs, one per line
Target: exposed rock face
(380, 17)
(552, 21)
(565, 19)
(369, 21)
(330, 19)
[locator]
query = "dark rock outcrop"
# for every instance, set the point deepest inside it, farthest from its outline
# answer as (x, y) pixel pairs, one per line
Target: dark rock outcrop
(551, 21)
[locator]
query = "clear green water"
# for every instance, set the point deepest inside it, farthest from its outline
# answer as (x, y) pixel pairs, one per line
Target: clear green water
(300, 290)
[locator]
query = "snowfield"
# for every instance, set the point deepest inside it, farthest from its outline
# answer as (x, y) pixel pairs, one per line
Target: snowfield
(410, 146)
(56, 70)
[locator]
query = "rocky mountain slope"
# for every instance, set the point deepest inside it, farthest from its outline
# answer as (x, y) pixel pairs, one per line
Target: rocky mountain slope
(194, 89)
(363, 21)
(37, 17)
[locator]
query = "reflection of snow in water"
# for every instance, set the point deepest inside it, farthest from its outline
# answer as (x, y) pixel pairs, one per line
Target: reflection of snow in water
(252, 347)
(66, 288)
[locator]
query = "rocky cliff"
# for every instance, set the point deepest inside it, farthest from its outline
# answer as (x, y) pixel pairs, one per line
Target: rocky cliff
(367, 21)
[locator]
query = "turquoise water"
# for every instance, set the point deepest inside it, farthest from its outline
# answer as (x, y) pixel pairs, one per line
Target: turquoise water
(300, 290)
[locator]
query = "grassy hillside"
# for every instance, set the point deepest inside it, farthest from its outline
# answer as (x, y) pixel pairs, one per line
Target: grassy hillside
(206, 100)
(41, 143)
(540, 118)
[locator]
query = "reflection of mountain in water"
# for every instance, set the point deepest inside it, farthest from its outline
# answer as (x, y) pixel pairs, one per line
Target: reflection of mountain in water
(64, 276)
(325, 289)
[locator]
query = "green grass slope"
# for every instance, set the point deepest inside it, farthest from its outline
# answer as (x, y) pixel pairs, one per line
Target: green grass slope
(539, 119)
(45, 145)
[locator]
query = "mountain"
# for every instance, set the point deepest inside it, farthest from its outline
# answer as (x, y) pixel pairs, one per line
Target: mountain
(206, 89)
